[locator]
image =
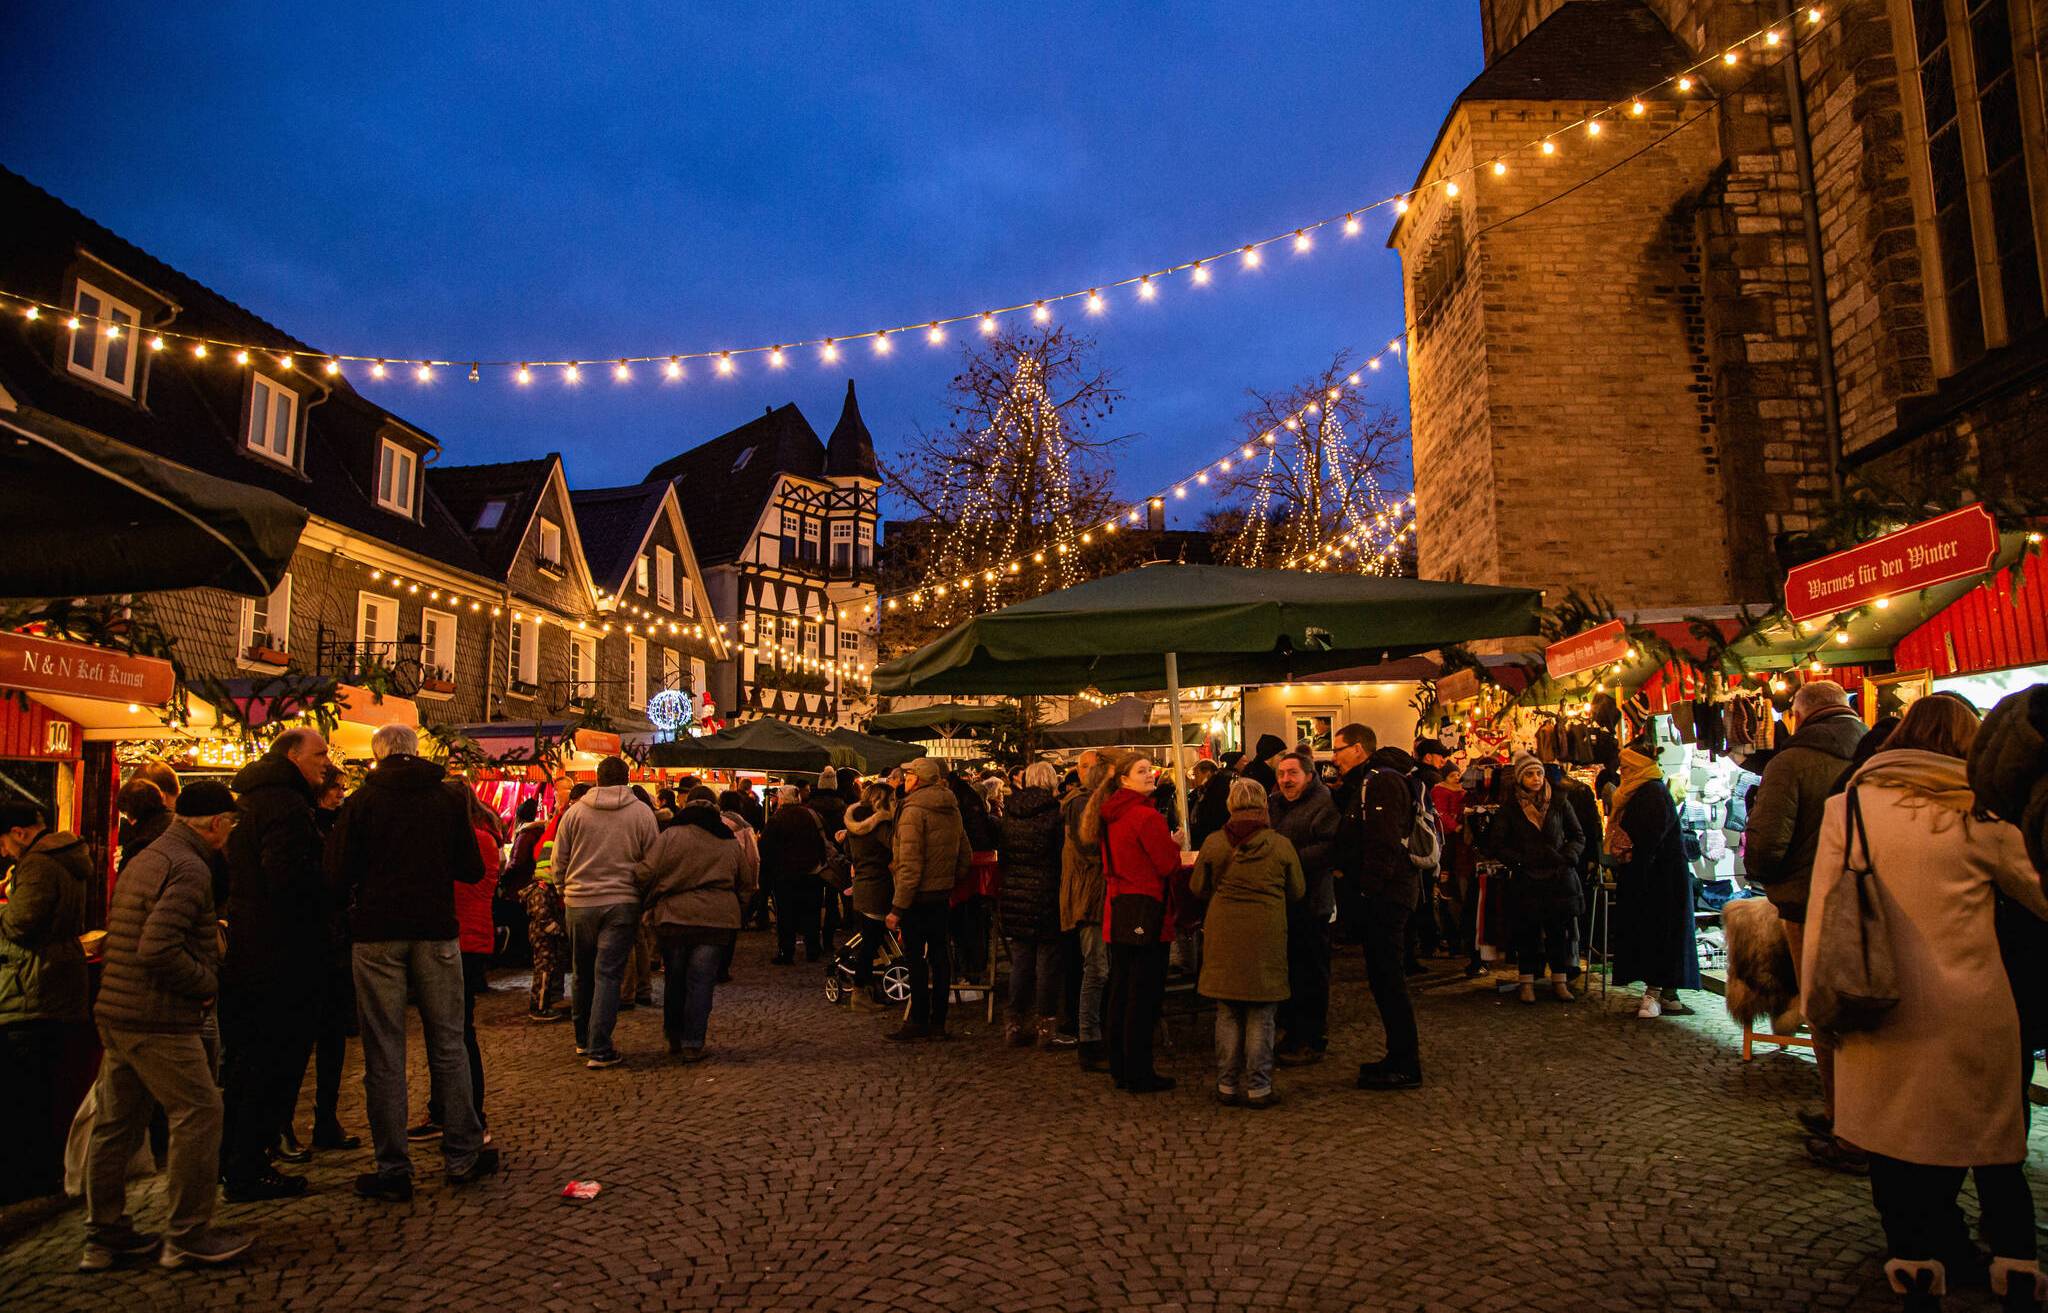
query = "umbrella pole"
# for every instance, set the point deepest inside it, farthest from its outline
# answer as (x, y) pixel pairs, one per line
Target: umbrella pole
(1180, 779)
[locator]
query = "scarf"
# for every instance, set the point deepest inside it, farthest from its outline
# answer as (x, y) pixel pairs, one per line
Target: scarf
(1926, 778)
(706, 818)
(1243, 825)
(1637, 770)
(1535, 802)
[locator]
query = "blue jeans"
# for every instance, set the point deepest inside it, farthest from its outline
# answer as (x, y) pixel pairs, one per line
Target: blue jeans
(1034, 980)
(686, 993)
(431, 971)
(1244, 1048)
(600, 941)
(1094, 979)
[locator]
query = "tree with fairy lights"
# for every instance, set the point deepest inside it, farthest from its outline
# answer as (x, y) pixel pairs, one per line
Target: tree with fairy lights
(1004, 491)
(1314, 491)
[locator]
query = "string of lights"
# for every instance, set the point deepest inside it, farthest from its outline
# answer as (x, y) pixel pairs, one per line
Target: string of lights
(1779, 37)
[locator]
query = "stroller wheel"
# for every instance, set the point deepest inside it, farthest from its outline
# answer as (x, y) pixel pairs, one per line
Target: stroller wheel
(834, 989)
(895, 984)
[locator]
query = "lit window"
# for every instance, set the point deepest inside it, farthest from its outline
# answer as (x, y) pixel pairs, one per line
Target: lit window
(640, 574)
(789, 631)
(582, 667)
(397, 477)
(811, 637)
(636, 672)
(377, 624)
(491, 516)
(550, 545)
(665, 576)
(106, 360)
(437, 644)
(525, 652)
(864, 558)
(273, 419)
(267, 621)
(842, 544)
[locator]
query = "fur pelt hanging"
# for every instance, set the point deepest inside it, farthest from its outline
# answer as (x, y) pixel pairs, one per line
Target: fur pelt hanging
(1762, 980)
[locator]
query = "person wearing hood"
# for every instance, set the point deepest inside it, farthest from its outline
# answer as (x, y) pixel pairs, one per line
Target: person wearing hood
(695, 879)
(1536, 835)
(1140, 858)
(401, 844)
(598, 843)
(1778, 849)
(1028, 842)
(870, 841)
(1937, 1090)
(44, 1020)
(1375, 815)
(1252, 877)
(932, 856)
(1302, 811)
(1653, 920)
(1262, 764)
(278, 944)
(2009, 767)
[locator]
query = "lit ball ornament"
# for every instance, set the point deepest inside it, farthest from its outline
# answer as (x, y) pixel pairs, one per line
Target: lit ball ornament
(669, 710)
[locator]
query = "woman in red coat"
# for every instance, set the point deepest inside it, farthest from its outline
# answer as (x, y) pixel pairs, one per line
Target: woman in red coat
(1140, 858)
(477, 933)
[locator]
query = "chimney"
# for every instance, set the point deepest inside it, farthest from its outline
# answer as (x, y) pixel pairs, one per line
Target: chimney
(1155, 515)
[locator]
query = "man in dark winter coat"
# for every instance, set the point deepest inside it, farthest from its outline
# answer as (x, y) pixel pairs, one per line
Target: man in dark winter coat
(1261, 765)
(1303, 810)
(1028, 842)
(793, 857)
(277, 914)
(400, 845)
(1376, 813)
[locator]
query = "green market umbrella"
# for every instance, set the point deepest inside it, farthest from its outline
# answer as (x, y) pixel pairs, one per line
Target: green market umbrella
(914, 723)
(877, 754)
(1124, 723)
(765, 745)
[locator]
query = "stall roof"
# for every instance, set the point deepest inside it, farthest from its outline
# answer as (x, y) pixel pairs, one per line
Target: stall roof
(1124, 723)
(900, 724)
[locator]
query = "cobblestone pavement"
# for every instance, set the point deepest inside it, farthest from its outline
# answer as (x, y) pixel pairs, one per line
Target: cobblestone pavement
(1559, 1158)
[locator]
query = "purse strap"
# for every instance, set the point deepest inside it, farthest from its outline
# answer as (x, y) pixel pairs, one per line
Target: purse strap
(1856, 829)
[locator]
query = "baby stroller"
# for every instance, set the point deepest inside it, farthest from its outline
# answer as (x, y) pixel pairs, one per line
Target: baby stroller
(891, 985)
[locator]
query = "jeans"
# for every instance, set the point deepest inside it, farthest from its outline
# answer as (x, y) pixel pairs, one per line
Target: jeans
(799, 907)
(266, 1036)
(1547, 937)
(1034, 979)
(930, 960)
(431, 970)
(1305, 1017)
(1383, 925)
(1137, 986)
(1244, 1048)
(140, 1070)
(475, 981)
(1094, 978)
(600, 941)
(686, 993)
(1917, 1205)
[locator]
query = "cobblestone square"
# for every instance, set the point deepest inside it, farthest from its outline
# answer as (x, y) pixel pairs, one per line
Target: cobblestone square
(1560, 1157)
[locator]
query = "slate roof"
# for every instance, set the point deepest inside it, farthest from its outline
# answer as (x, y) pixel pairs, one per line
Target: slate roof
(193, 411)
(1586, 50)
(612, 523)
(467, 489)
(723, 484)
(851, 450)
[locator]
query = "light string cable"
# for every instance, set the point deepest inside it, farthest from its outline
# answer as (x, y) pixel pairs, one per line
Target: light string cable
(1775, 36)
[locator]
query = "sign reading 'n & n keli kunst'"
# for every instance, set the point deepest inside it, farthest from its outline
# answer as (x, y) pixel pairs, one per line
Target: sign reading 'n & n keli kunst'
(45, 665)
(1937, 551)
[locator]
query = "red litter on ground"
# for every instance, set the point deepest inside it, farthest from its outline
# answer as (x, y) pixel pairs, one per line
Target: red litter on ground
(581, 1190)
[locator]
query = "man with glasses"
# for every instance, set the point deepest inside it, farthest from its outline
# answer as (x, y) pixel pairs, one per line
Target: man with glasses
(1376, 815)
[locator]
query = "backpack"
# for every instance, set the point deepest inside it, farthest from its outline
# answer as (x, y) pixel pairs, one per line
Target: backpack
(1425, 834)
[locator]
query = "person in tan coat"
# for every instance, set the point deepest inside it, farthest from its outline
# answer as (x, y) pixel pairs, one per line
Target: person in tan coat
(1250, 873)
(932, 853)
(1936, 1089)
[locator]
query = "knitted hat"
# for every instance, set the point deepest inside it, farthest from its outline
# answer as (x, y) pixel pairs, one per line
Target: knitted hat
(205, 798)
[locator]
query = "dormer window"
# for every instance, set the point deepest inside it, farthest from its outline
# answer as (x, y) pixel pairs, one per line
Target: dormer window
(491, 516)
(398, 478)
(740, 461)
(273, 420)
(550, 545)
(103, 344)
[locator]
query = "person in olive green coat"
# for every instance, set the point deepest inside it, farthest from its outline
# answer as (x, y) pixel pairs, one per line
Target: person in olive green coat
(44, 1023)
(1249, 872)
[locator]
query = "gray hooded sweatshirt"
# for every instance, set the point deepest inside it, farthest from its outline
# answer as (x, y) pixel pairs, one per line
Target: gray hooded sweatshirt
(597, 845)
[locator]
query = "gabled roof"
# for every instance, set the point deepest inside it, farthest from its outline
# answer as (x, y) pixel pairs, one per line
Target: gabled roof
(194, 413)
(467, 489)
(614, 523)
(850, 452)
(723, 484)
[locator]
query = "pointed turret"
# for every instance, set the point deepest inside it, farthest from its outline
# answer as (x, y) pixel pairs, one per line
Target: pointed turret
(850, 452)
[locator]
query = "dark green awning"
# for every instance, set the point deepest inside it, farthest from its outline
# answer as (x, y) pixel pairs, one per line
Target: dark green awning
(877, 754)
(1226, 625)
(920, 722)
(764, 745)
(1124, 723)
(87, 516)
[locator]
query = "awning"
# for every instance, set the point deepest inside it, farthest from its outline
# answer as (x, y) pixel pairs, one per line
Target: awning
(917, 723)
(879, 754)
(1124, 723)
(763, 745)
(87, 515)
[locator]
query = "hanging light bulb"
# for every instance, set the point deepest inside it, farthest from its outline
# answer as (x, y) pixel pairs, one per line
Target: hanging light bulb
(1638, 108)
(199, 350)
(935, 335)
(1450, 189)
(775, 357)
(241, 357)
(1251, 257)
(1685, 84)
(1549, 147)
(1146, 291)
(1592, 127)
(425, 373)
(1771, 38)
(573, 374)
(1041, 313)
(988, 324)
(621, 373)
(829, 352)
(674, 369)
(1401, 206)
(1094, 302)
(1732, 57)
(1351, 225)
(524, 376)
(1499, 167)
(1200, 272)
(725, 365)
(1301, 240)
(882, 343)
(33, 312)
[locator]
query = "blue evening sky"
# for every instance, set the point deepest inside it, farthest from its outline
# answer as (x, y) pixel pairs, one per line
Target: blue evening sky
(527, 180)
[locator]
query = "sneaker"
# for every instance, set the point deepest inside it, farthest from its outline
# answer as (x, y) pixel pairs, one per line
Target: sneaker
(1228, 1095)
(207, 1248)
(108, 1245)
(1269, 1099)
(266, 1184)
(486, 1164)
(426, 1130)
(1062, 1040)
(690, 1057)
(1649, 1008)
(543, 1018)
(1473, 970)
(290, 1151)
(582, 1051)
(607, 1058)
(1673, 1008)
(909, 1032)
(391, 1189)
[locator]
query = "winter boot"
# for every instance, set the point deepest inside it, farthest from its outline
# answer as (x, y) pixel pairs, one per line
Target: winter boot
(1920, 1284)
(2018, 1284)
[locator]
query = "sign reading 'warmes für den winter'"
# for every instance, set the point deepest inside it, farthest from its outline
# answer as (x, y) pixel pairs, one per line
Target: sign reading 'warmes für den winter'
(44, 665)
(1953, 546)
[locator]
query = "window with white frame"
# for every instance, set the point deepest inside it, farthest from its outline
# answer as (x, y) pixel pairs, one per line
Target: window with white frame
(377, 624)
(864, 554)
(665, 577)
(437, 643)
(789, 631)
(811, 637)
(812, 531)
(696, 677)
(267, 621)
(525, 651)
(582, 667)
(398, 471)
(550, 544)
(636, 672)
(103, 344)
(842, 544)
(492, 515)
(640, 574)
(671, 668)
(273, 419)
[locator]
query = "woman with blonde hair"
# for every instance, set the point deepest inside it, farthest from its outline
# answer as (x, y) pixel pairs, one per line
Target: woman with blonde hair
(1249, 872)
(1937, 1088)
(1140, 858)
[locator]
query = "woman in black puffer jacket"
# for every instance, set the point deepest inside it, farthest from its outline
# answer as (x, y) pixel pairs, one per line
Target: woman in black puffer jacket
(1028, 854)
(869, 839)
(1536, 835)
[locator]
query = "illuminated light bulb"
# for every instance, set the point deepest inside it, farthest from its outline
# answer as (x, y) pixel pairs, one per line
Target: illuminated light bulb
(241, 357)
(988, 325)
(113, 330)
(1107, 528)
(1638, 108)
(1550, 148)
(621, 373)
(725, 365)
(1146, 291)
(1500, 167)
(1732, 57)
(1395, 346)
(1269, 439)
(1134, 517)
(72, 323)
(1841, 636)
(988, 576)
(33, 313)
(1882, 603)
(1373, 363)
(1203, 478)
(1224, 466)
(1353, 381)
(891, 604)
(775, 357)
(882, 343)
(1813, 14)
(939, 591)
(1685, 84)
(1094, 302)
(376, 574)
(1293, 426)
(1014, 567)
(1771, 38)
(377, 370)
(1038, 558)
(1401, 206)
(332, 366)
(1247, 453)
(1593, 127)
(199, 350)
(1351, 225)
(1180, 492)
(425, 373)
(675, 368)
(1301, 240)
(157, 344)
(1817, 668)
(574, 373)
(1087, 538)
(1450, 189)
(1040, 313)
(1200, 272)
(830, 351)
(1251, 257)
(524, 376)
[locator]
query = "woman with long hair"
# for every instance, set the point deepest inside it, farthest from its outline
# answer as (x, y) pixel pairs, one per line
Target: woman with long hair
(869, 839)
(1937, 1088)
(1140, 858)
(1536, 835)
